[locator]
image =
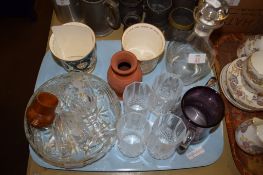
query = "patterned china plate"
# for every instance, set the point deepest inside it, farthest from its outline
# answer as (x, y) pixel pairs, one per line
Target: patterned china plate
(239, 90)
(225, 90)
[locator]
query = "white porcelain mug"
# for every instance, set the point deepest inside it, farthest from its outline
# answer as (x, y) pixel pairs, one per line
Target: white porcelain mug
(73, 46)
(147, 42)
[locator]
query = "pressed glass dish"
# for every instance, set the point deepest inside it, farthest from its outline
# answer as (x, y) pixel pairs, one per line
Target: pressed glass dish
(82, 131)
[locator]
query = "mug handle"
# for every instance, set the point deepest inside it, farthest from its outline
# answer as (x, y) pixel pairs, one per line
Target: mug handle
(212, 82)
(112, 14)
(186, 142)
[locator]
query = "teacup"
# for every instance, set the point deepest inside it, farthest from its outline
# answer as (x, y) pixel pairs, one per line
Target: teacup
(249, 136)
(147, 42)
(73, 46)
(251, 75)
(255, 67)
(252, 44)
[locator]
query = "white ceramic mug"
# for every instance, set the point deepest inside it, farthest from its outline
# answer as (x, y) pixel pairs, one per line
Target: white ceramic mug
(73, 46)
(147, 42)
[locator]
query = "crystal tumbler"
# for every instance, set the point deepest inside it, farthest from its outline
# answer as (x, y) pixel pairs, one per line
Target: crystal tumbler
(132, 131)
(167, 133)
(136, 97)
(167, 88)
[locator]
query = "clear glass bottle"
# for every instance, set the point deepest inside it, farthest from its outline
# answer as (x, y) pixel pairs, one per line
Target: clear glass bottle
(193, 58)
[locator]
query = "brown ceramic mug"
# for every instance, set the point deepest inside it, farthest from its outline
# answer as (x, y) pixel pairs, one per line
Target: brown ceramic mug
(123, 70)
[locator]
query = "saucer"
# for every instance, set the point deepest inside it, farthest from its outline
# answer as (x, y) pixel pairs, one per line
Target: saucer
(223, 85)
(237, 87)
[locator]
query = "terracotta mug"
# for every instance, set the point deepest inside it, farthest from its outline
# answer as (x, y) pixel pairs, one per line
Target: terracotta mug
(123, 70)
(41, 112)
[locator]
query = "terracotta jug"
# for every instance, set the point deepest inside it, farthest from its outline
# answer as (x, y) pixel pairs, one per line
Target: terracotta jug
(41, 112)
(124, 70)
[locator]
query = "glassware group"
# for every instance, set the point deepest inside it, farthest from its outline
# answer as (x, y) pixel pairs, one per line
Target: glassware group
(87, 118)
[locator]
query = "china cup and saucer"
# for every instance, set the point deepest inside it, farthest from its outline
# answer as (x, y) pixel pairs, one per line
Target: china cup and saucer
(225, 90)
(236, 90)
(239, 89)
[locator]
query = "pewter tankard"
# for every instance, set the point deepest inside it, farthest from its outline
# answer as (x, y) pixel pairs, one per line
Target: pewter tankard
(101, 15)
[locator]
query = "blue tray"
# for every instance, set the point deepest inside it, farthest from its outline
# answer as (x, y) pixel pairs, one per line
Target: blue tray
(114, 160)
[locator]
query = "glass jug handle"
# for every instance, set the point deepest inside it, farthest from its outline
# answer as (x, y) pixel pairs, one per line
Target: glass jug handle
(112, 14)
(186, 142)
(212, 82)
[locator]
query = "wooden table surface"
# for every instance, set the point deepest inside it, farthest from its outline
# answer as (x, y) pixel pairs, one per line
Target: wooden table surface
(223, 166)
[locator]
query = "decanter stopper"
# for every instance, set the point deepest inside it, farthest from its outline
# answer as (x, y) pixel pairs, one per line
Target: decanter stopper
(211, 12)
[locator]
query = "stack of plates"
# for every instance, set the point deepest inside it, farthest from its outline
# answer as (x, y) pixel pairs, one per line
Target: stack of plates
(232, 83)
(236, 90)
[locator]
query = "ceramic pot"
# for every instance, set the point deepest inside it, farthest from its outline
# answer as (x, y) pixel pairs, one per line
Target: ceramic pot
(147, 42)
(41, 112)
(249, 136)
(124, 70)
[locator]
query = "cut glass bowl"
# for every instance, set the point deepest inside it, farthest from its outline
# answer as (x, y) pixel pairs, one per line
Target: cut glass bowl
(84, 128)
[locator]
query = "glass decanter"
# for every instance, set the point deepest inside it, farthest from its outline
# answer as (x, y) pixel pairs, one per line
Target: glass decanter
(193, 58)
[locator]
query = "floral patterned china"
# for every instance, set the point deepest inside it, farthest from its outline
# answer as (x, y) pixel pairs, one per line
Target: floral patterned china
(225, 90)
(239, 89)
(247, 72)
(249, 135)
(255, 67)
(252, 44)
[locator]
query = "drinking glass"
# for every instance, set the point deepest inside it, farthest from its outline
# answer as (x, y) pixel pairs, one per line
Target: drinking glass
(131, 12)
(132, 131)
(136, 97)
(167, 133)
(156, 12)
(167, 88)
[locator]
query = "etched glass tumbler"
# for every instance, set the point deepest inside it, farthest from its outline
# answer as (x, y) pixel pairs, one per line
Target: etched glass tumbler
(167, 133)
(132, 131)
(136, 98)
(167, 88)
